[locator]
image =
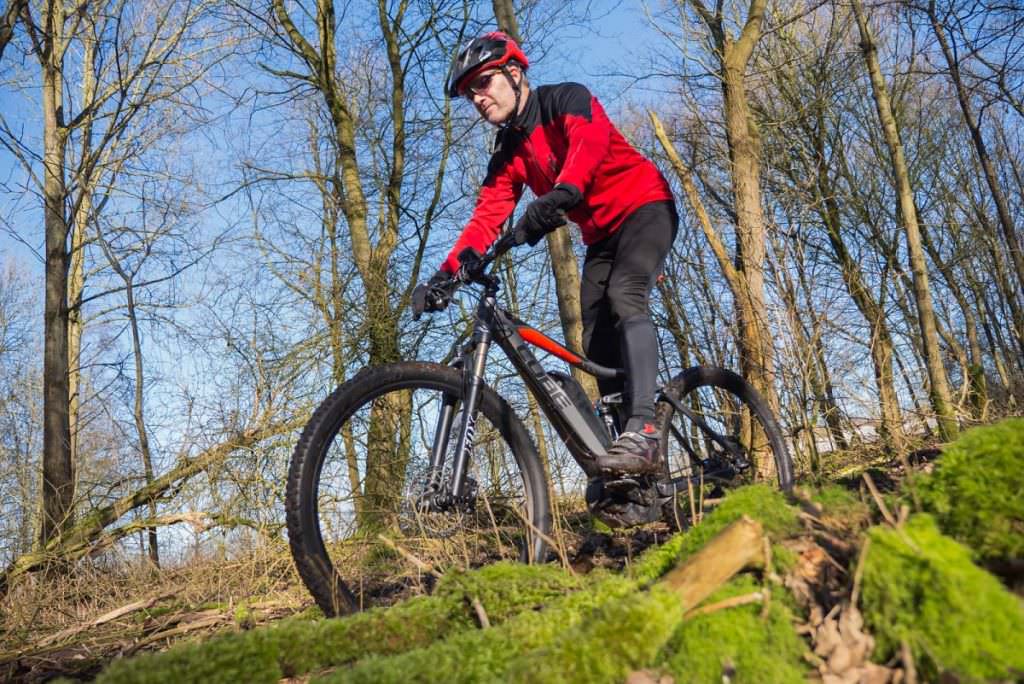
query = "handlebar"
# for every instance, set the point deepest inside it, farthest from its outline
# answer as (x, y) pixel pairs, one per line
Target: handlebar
(473, 265)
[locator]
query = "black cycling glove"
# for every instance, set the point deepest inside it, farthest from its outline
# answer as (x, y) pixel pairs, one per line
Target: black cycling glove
(432, 295)
(546, 213)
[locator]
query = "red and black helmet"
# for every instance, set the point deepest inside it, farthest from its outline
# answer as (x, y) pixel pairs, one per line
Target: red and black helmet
(484, 52)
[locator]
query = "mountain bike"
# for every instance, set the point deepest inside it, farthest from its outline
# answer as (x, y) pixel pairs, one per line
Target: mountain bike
(422, 465)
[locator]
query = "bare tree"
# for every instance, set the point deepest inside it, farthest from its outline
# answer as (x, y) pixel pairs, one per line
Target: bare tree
(807, 86)
(128, 61)
(938, 384)
(730, 56)
(20, 394)
(971, 119)
(14, 10)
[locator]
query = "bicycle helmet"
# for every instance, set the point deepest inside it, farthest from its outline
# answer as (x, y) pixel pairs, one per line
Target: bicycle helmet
(495, 49)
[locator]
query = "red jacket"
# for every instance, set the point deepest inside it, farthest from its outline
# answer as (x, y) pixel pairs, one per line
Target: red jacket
(562, 136)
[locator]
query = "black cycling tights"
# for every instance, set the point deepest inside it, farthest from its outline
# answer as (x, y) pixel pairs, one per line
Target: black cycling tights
(618, 275)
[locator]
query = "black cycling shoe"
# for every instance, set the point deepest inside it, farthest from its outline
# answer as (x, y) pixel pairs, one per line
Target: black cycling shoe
(633, 453)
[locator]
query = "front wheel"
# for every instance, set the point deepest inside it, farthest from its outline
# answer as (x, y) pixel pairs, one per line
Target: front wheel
(358, 527)
(717, 432)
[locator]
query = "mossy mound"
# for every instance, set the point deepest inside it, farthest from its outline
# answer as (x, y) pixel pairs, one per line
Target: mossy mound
(841, 505)
(920, 587)
(760, 502)
(599, 634)
(545, 624)
(487, 655)
(298, 646)
(975, 491)
(753, 644)
(618, 637)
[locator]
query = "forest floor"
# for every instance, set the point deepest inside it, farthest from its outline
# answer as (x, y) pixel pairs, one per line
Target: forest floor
(818, 606)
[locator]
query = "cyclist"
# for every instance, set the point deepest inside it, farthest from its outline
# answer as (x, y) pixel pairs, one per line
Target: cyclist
(557, 140)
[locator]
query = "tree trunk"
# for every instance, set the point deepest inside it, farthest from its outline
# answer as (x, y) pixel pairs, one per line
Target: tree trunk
(739, 283)
(1006, 290)
(938, 384)
(974, 369)
(814, 391)
(756, 354)
(827, 401)
(559, 242)
(567, 289)
(1006, 222)
(7, 23)
(78, 230)
(58, 469)
(880, 343)
(754, 338)
(139, 415)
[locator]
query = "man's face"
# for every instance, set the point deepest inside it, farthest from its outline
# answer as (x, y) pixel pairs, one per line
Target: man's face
(492, 94)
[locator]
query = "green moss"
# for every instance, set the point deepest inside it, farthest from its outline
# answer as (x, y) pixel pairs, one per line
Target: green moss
(921, 587)
(975, 490)
(301, 645)
(155, 612)
(841, 504)
(506, 589)
(759, 501)
(783, 559)
(834, 497)
(757, 649)
(243, 616)
(486, 655)
(597, 634)
(615, 639)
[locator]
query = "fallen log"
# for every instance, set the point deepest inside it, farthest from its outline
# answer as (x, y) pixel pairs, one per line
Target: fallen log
(80, 540)
(103, 619)
(627, 634)
(739, 545)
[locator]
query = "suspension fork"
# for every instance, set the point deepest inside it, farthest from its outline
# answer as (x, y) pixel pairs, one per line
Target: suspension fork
(473, 382)
(472, 366)
(442, 435)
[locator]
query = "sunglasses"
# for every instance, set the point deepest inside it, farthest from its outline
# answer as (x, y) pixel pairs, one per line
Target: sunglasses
(480, 84)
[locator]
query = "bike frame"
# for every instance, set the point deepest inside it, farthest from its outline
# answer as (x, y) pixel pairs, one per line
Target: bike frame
(494, 325)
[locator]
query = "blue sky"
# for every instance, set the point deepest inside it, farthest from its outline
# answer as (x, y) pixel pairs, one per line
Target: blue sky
(614, 41)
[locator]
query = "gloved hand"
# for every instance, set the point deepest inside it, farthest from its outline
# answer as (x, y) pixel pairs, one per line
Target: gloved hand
(546, 213)
(432, 295)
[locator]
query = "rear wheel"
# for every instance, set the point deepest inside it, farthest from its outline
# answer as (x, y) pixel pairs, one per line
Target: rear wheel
(359, 477)
(717, 433)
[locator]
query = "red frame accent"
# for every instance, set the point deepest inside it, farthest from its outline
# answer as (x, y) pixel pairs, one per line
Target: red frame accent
(539, 339)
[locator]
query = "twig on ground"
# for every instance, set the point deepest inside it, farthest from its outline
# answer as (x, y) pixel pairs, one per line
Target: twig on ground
(103, 619)
(904, 514)
(907, 656)
(811, 509)
(858, 574)
(878, 500)
(178, 631)
(481, 614)
(420, 565)
(562, 555)
(766, 606)
(734, 548)
(746, 599)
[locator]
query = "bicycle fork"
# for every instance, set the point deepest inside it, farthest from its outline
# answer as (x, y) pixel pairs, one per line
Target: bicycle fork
(457, 492)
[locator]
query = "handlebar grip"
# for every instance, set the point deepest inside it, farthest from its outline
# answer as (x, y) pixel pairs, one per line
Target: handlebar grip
(503, 244)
